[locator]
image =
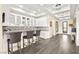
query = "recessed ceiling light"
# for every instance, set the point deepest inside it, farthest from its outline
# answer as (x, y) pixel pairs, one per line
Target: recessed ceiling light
(17, 9)
(21, 6)
(41, 4)
(34, 11)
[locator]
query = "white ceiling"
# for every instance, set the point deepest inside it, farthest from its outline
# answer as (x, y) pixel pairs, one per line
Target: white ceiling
(60, 11)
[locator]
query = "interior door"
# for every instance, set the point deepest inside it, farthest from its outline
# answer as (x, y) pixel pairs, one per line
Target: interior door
(65, 27)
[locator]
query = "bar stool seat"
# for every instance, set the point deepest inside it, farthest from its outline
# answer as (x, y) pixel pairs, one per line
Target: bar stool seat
(24, 37)
(34, 34)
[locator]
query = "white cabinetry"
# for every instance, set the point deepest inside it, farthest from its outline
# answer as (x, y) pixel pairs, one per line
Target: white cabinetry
(18, 20)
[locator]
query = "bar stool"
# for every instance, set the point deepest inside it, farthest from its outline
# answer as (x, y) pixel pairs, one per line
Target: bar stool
(28, 37)
(14, 38)
(37, 34)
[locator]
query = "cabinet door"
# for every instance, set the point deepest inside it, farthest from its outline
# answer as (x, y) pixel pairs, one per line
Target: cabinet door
(18, 20)
(28, 22)
(12, 19)
(24, 21)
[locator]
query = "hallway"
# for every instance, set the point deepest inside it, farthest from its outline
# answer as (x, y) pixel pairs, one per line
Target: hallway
(60, 44)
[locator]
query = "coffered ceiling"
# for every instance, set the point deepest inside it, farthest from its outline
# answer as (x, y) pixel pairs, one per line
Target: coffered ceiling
(60, 11)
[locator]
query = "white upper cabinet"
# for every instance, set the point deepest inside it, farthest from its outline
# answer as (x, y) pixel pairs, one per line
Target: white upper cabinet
(23, 21)
(12, 19)
(18, 20)
(42, 21)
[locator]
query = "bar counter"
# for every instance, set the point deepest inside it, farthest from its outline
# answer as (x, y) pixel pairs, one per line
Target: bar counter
(23, 29)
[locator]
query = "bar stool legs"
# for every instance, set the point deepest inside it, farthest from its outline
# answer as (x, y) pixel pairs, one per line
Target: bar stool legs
(10, 50)
(12, 39)
(19, 46)
(28, 40)
(10, 47)
(23, 43)
(37, 39)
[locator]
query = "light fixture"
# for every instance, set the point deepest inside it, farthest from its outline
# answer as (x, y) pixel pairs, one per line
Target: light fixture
(18, 9)
(57, 5)
(41, 4)
(21, 6)
(34, 12)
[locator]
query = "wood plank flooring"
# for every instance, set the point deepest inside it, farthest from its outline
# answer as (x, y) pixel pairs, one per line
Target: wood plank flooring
(60, 44)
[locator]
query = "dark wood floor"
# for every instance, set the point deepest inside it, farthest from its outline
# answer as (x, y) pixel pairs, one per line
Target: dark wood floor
(60, 44)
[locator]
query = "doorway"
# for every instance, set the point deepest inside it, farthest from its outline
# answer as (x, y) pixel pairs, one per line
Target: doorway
(65, 27)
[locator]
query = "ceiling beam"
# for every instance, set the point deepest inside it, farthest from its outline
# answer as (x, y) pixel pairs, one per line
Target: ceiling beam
(64, 11)
(63, 16)
(73, 8)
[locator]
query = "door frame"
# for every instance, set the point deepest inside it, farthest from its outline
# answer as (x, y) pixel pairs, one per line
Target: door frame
(66, 27)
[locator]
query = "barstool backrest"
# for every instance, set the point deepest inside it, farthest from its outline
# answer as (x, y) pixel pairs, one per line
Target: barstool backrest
(29, 34)
(37, 32)
(14, 37)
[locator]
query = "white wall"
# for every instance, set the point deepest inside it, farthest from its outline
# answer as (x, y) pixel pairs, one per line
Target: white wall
(53, 28)
(45, 22)
(59, 27)
(77, 28)
(0, 29)
(2, 41)
(42, 21)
